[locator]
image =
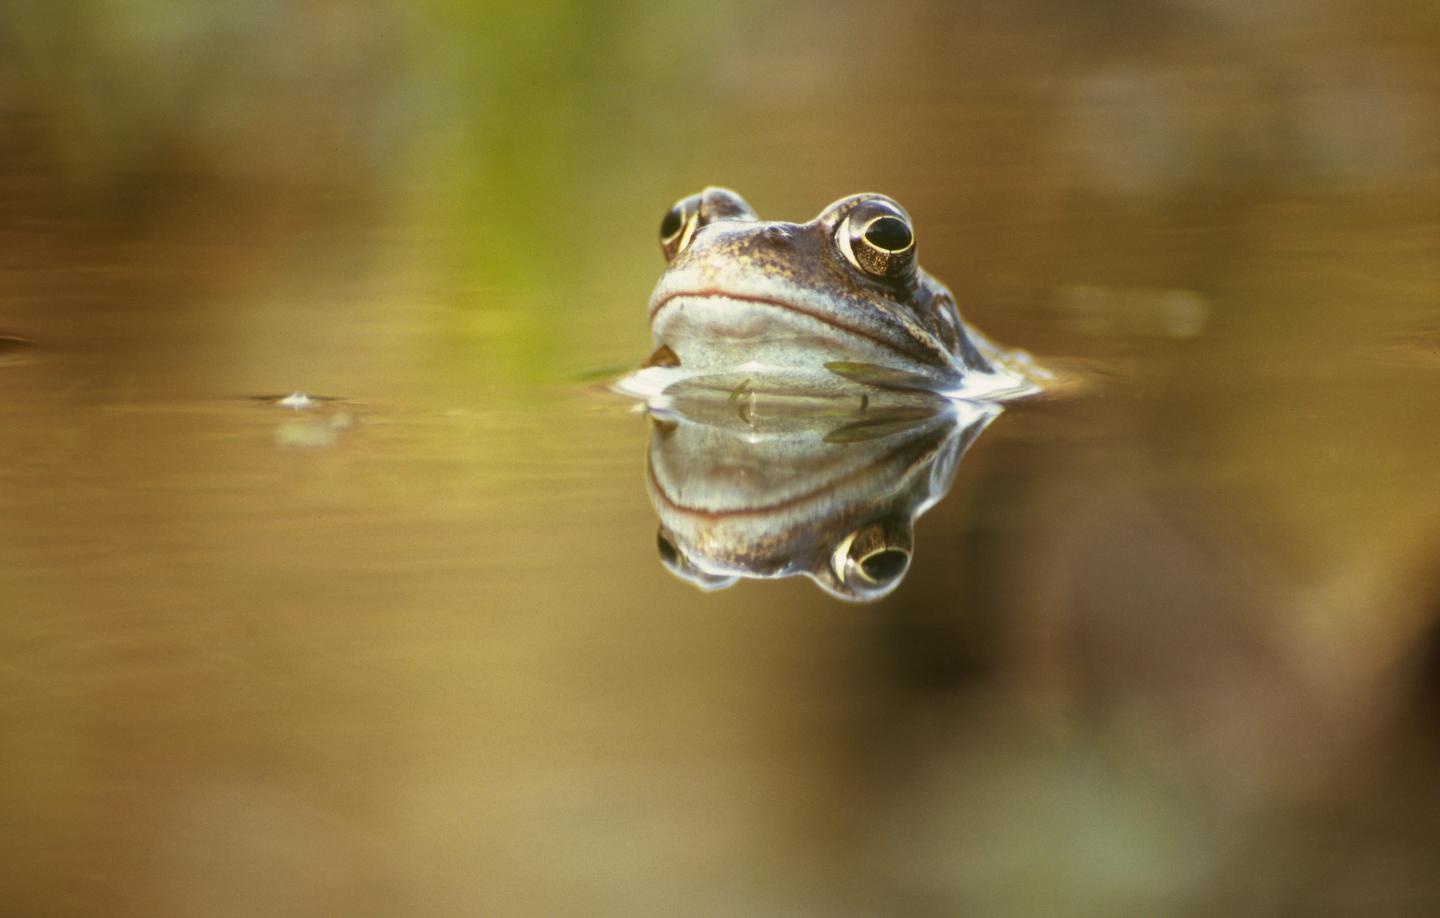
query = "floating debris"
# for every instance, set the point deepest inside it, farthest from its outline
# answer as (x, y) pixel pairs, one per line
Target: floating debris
(296, 401)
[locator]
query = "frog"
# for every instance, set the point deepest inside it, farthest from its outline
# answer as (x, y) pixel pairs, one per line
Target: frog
(840, 298)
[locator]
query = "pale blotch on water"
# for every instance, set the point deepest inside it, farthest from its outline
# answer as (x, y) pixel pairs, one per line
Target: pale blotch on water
(312, 434)
(1155, 312)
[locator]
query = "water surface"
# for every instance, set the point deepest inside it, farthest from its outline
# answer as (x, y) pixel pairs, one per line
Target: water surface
(1168, 646)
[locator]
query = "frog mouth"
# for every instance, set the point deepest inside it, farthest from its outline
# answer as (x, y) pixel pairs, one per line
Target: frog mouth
(903, 344)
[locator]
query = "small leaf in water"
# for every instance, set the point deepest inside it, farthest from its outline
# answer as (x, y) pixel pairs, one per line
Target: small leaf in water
(744, 409)
(876, 375)
(600, 374)
(663, 357)
(882, 424)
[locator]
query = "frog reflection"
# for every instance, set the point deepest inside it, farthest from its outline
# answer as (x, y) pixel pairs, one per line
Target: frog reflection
(769, 485)
(840, 299)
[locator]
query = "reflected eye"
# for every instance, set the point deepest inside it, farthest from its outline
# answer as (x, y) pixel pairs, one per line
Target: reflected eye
(674, 561)
(878, 239)
(873, 559)
(884, 565)
(679, 225)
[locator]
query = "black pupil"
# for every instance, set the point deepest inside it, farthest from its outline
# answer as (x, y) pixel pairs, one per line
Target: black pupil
(889, 233)
(671, 224)
(884, 566)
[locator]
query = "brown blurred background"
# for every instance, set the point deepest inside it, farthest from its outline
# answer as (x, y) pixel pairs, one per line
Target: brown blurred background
(1170, 647)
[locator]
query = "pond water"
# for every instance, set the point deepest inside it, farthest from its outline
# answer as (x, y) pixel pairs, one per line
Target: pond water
(1168, 645)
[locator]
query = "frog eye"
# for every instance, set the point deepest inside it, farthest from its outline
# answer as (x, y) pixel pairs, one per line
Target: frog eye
(679, 225)
(674, 561)
(878, 239)
(872, 560)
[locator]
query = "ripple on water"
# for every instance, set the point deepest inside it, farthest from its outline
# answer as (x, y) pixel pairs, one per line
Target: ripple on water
(14, 349)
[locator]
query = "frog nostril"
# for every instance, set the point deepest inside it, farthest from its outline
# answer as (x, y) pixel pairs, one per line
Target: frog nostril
(778, 237)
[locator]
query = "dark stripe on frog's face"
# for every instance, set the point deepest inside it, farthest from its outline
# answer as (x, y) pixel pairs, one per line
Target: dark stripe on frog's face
(782, 294)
